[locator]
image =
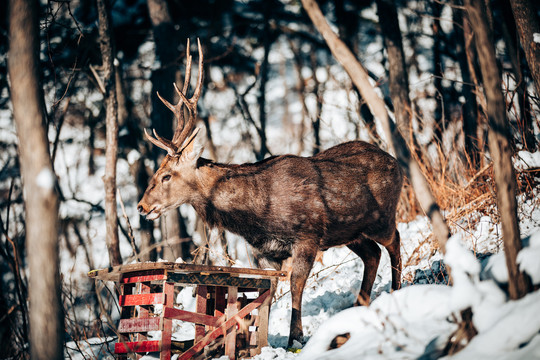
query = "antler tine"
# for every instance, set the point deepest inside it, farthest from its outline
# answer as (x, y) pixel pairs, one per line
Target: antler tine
(180, 136)
(198, 89)
(161, 142)
(187, 77)
(167, 104)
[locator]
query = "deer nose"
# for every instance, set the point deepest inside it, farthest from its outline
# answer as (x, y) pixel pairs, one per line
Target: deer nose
(141, 209)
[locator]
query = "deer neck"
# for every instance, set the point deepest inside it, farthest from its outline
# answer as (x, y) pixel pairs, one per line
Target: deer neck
(223, 195)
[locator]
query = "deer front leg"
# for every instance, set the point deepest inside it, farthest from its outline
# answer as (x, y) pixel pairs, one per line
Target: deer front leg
(303, 257)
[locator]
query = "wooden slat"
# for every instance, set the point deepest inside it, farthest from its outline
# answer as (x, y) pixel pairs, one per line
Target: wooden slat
(232, 310)
(220, 301)
(203, 319)
(201, 305)
(166, 334)
(264, 314)
(143, 276)
(115, 273)
(219, 280)
(227, 325)
(138, 325)
(141, 299)
(137, 347)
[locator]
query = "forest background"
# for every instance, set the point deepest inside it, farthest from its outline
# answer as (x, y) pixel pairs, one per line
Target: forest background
(273, 85)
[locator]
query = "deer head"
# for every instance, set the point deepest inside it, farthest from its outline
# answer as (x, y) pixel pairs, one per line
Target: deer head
(173, 182)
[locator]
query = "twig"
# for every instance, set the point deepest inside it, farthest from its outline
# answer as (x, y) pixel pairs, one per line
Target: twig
(130, 229)
(98, 79)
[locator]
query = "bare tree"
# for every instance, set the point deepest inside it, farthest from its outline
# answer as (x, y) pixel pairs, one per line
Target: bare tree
(499, 147)
(111, 149)
(527, 25)
(162, 121)
(360, 78)
(41, 198)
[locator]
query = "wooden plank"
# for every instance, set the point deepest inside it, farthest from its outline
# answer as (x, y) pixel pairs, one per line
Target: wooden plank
(141, 299)
(166, 334)
(219, 280)
(143, 276)
(264, 314)
(227, 325)
(221, 301)
(136, 347)
(202, 319)
(201, 302)
(115, 273)
(144, 313)
(139, 325)
(232, 310)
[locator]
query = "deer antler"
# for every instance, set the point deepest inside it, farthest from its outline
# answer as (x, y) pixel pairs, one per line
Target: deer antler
(185, 130)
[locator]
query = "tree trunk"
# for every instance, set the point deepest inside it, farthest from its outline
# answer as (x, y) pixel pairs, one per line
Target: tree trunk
(525, 120)
(439, 113)
(267, 42)
(39, 181)
(162, 117)
(527, 24)
(398, 78)
(146, 228)
(347, 21)
(360, 78)
(469, 111)
(111, 136)
(499, 147)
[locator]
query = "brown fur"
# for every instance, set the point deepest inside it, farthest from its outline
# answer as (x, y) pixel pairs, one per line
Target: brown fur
(293, 206)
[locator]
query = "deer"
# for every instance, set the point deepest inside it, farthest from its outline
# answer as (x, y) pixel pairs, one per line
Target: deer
(284, 206)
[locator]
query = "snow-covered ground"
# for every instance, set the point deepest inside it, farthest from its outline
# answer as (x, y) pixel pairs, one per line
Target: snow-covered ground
(419, 320)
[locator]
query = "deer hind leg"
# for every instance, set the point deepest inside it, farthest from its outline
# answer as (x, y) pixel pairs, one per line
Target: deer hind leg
(303, 258)
(370, 253)
(394, 250)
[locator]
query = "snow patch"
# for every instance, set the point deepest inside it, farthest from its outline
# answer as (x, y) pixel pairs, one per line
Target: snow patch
(45, 179)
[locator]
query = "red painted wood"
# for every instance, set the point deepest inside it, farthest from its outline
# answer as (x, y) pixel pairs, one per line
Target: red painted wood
(201, 299)
(138, 325)
(142, 276)
(221, 302)
(136, 346)
(202, 319)
(143, 289)
(141, 299)
(227, 325)
(166, 334)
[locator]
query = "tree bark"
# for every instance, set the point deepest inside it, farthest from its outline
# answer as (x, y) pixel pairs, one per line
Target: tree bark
(527, 25)
(395, 140)
(267, 43)
(469, 110)
(39, 181)
(499, 147)
(162, 118)
(398, 79)
(111, 135)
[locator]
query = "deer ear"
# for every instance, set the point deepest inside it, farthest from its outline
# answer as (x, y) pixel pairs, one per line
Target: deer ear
(193, 148)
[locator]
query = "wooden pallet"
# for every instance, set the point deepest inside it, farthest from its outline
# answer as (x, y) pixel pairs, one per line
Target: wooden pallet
(220, 312)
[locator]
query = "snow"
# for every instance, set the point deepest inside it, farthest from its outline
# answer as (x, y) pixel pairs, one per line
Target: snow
(45, 179)
(527, 160)
(414, 322)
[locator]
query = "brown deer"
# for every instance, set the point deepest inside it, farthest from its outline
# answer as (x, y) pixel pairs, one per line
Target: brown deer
(284, 206)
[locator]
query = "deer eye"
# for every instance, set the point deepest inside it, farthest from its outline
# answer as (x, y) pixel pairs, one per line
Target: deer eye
(166, 178)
